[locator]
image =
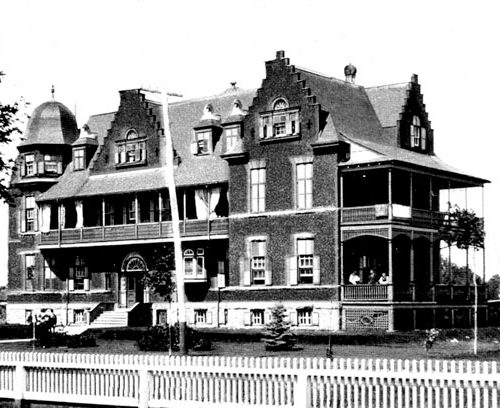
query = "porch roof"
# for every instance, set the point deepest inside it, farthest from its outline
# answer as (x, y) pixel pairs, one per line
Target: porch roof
(381, 153)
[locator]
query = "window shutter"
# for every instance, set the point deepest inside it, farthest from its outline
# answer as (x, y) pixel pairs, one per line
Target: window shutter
(221, 280)
(316, 270)
(315, 319)
(288, 125)
(222, 317)
(209, 317)
(292, 270)
(261, 128)
(194, 148)
(423, 139)
(117, 158)
(71, 271)
(247, 321)
(191, 317)
(267, 317)
(297, 124)
(269, 130)
(22, 264)
(22, 167)
(40, 167)
(269, 272)
(293, 318)
(245, 271)
(71, 285)
(59, 167)
(86, 284)
(122, 156)
(35, 218)
(22, 214)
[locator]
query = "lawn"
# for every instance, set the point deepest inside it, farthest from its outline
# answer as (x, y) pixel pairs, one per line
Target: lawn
(444, 348)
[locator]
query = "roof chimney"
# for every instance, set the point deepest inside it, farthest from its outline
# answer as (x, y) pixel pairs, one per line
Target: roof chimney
(280, 55)
(350, 73)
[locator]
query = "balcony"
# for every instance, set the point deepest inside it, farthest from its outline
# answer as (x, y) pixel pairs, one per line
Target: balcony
(133, 232)
(391, 212)
(439, 293)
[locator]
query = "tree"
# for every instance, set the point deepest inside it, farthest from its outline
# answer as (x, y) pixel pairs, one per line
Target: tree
(494, 287)
(9, 127)
(277, 336)
(159, 277)
(453, 274)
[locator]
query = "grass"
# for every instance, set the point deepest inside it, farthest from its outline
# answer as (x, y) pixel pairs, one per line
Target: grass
(451, 344)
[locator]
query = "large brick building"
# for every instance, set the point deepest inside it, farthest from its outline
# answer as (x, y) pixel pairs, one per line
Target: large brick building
(283, 193)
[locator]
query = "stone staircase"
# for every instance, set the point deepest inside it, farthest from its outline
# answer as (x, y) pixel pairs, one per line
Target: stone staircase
(111, 318)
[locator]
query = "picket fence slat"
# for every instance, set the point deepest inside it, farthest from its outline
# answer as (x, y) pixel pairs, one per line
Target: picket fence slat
(209, 381)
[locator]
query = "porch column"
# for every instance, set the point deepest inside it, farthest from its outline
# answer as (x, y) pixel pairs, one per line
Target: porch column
(79, 214)
(136, 208)
(341, 197)
(103, 212)
(389, 178)
(390, 289)
(160, 206)
(430, 194)
(341, 262)
(431, 258)
(411, 190)
(484, 248)
(412, 267)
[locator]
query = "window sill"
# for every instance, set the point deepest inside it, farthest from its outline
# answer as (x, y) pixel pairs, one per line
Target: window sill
(277, 139)
(132, 164)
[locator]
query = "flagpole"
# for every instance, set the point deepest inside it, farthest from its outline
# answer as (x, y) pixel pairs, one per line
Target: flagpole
(170, 180)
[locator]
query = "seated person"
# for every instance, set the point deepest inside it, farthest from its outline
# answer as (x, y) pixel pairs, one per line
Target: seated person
(384, 279)
(354, 278)
(372, 278)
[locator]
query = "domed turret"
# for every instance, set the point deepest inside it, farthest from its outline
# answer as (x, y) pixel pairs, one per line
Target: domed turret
(51, 123)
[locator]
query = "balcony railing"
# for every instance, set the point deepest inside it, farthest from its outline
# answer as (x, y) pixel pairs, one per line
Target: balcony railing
(396, 212)
(109, 233)
(439, 293)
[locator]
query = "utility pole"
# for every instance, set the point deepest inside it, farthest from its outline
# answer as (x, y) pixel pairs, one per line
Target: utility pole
(170, 180)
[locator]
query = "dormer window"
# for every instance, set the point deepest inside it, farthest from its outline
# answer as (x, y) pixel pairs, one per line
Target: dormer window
(203, 142)
(79, 159)
(232, 136)
(132, 150)
(36, 164)
(418, 134)
(282, 121)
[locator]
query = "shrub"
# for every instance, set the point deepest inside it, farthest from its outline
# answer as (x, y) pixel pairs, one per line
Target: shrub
(277, 336)
(85, 339)
(158, 338)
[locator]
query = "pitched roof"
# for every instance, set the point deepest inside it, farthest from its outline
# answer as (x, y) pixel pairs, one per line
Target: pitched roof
(191, 170)
(379, 153)
(388, 102)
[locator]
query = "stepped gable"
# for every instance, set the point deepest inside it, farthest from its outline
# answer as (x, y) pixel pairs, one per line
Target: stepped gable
(51, 123)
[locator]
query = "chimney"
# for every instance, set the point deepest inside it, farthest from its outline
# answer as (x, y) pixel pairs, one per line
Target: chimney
(350, 73)
(280, 55)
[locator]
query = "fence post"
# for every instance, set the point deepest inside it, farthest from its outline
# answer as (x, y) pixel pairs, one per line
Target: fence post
(144, 387)
(19, 384)
(301, 394)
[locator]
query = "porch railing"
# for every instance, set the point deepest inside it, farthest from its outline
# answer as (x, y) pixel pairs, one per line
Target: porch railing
(188, 228)
(391, 212)
(439, 293)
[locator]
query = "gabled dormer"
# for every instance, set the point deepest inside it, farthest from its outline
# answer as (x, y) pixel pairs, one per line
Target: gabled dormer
(233, 126)
(415, 132)
(83, 149)
(283, 121)
(207, 132)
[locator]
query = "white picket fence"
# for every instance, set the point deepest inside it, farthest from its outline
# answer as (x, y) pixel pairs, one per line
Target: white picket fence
(161, 381)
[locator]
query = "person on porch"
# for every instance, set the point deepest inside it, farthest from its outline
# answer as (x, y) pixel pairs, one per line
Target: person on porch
(354, 278)
(372, 278)
(384, 279)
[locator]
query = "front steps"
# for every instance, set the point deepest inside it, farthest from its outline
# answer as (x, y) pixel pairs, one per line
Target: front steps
(111, 318)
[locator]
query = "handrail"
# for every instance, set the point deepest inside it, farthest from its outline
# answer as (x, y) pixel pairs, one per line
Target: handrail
(98, 309)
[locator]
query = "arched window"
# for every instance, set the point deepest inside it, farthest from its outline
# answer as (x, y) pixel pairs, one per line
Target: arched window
(280, 104)
(132, 150)
(132, 134)
(281, 121)
(135, 265)
(417, 134)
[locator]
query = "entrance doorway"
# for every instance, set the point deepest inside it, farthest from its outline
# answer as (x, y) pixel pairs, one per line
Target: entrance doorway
(131, 287)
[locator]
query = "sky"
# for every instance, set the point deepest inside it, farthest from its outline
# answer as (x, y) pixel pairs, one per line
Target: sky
(89, 50)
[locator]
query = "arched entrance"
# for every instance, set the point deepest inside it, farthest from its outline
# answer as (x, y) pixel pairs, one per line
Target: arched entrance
(131, 288)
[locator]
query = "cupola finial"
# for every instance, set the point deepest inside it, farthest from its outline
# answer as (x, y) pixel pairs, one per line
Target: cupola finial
(52, 91)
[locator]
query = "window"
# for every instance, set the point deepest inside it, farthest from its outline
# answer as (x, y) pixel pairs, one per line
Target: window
(417, 134)
(131, 211)
(79, 159)
(161, 317)
(80, 274)
(258, 262)
(52, 164)
(304, 317)
(257, 317)
(79, 316)
(107, 281)
(29, 213)
(132, 150)
(304, 185)
(258, 189)
(282, 121)
(305, 260)
(29, 270)
(194, 266)
(232, 136)
(30, 164)
(200, 316)
(49, 277)
(202, 142)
